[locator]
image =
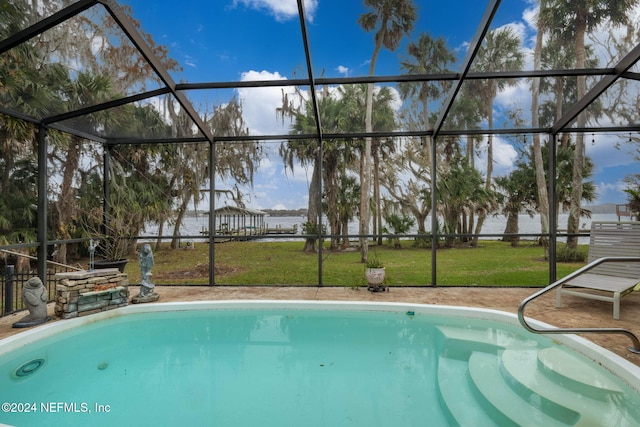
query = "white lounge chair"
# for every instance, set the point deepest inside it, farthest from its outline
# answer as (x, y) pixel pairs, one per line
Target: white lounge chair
(604, 279)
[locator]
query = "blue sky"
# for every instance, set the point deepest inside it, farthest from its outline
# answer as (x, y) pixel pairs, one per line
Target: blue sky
(231, 40)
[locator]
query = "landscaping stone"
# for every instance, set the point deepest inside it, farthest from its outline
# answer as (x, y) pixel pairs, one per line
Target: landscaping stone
(81, 293)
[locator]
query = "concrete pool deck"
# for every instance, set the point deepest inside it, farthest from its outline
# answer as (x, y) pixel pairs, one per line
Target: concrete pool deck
(576, 312)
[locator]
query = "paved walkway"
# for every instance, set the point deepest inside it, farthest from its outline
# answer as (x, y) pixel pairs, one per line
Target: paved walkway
(577, 312)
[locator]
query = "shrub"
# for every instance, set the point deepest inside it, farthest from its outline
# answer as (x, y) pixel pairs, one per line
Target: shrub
(571, 255)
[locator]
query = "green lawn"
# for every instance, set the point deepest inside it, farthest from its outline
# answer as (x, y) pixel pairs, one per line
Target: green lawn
(492, 263)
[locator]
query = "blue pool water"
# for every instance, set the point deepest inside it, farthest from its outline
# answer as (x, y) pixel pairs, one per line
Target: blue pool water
(273, 364)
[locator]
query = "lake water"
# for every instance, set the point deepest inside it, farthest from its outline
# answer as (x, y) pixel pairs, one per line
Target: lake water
(192, 226)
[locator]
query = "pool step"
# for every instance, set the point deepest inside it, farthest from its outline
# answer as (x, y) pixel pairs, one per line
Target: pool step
(457, 397)
(460, 342)
(576, 373)
(505, 404)
(588, 393)
(508, 380)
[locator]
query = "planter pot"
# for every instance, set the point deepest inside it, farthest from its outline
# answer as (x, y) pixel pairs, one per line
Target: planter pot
(375, 276)
(119, 264)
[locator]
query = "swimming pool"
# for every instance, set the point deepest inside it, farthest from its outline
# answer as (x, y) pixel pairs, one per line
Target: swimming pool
(278, 363)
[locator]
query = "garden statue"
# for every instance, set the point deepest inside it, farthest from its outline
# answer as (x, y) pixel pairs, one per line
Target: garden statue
(147, 288)
(92, 250)
(34, 296)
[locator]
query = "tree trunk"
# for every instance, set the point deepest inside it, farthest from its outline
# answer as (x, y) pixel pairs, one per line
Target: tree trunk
(512, 227)
(313, 208)
(176, 229)
(426, 140)
(365, 212)
(573, 223)
(345, 231)
(470, 220)
(66, 199)
(365, 175)
(541, 181)
(160, 233)
(376, 192)
(483, 214)
(331, 191)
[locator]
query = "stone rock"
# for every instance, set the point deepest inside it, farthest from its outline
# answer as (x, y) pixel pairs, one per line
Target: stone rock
(152, 297)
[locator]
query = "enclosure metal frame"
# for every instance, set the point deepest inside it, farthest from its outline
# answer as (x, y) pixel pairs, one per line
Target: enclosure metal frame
(608, 77)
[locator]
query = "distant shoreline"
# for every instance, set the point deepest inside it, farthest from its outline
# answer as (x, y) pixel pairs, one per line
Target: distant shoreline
(605, 208)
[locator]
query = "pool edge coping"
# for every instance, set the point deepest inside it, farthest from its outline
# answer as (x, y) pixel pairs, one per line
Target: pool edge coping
(617, 365)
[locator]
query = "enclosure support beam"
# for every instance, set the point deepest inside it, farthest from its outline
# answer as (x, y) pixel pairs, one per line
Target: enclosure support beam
(212, 209)
(42, 203)
(316, 115)
(46, 24)
(553, 207)
(104, 106)
(623, 65)
(434, 210)
(126, 24)
(106, 191)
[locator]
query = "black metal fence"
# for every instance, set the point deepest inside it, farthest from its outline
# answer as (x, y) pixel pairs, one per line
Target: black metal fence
(11, 284)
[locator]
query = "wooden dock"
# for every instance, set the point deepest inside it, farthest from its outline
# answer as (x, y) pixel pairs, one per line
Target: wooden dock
(283, 230)
(224, 234)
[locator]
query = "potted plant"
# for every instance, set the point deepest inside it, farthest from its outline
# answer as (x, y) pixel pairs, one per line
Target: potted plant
(110, 242)
(110, 246)
(374, 273)
(113, 224)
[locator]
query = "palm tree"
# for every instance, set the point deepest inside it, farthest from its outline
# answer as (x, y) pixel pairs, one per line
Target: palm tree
(458, 185)
(383, 120)
(341, 111)
(466, 113)
(427, 56)
(527, 181)
(582, 16)
(17, 213)
(306, 153)
(564, 180)
(348, 197)
(519, 196)
(499, 52)
(86, 90)
(391, 20)
(541, 180)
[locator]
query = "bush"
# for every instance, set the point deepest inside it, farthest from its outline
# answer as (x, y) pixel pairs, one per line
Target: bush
(424, 241)
(571, 255)
(399, 225)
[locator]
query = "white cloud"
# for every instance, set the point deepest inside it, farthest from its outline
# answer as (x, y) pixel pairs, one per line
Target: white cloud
(259, 104)
(278, 192)
(282, 10)
(504, 156)
(300, 174)
(190, 61)
(607, 192)
(512, 97)
(530, 14)
(343, 70)
(396, 104)
(601, 148)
